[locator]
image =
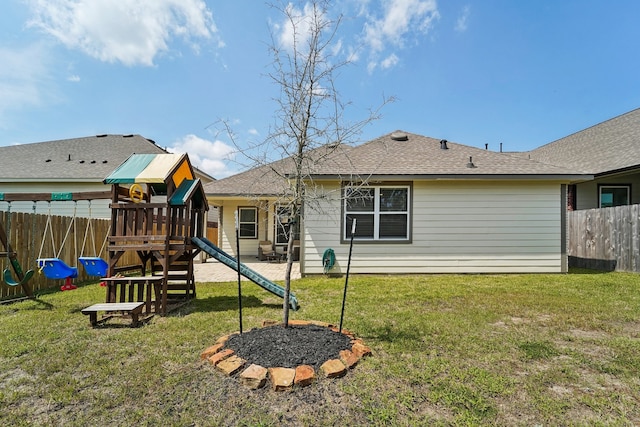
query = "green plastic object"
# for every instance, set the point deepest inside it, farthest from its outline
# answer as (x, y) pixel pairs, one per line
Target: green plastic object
(8, 278)
(328, 260)
(61, 196)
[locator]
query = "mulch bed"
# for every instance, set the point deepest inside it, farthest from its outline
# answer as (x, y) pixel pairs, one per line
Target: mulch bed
(286, 356)
(277, 346)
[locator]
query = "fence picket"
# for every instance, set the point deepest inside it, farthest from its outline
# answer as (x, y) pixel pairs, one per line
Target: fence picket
(605, 239)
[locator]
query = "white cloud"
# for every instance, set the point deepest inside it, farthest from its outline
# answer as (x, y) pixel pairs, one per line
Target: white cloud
(399, 22)
(208, 156)
(132, 32)
(24, 75)
(461, 23)
(389, 25)
(299, 30)
(74, 78)
(389, 61)
(254, 132)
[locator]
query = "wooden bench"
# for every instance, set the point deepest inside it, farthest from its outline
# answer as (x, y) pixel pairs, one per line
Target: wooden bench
(133, 308)
(148, 288)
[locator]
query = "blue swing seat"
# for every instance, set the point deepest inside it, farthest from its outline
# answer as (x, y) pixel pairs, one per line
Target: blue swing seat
(55, 268)
(94, 266)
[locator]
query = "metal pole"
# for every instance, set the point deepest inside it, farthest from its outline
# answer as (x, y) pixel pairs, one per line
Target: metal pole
(346, 281)
(238, 264)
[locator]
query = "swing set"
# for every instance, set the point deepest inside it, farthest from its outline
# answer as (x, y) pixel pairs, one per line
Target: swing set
(22, 277)
(56, 268)
(93, 265)
(52, 266)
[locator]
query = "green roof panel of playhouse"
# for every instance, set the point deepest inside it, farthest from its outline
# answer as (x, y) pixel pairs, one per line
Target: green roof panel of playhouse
(145, 168)
(187, 189)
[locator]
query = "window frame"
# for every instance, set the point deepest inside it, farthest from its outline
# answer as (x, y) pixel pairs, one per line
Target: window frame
(279, 210)
(255, 223)
(616, 186)
(377, 213)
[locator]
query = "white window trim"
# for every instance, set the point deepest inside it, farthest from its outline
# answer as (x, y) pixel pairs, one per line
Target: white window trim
(376, 215)
(241, 208)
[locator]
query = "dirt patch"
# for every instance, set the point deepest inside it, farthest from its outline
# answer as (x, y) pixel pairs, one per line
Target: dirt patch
(588, 335)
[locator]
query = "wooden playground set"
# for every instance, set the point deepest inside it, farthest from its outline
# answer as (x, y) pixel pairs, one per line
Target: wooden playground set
(158, 207)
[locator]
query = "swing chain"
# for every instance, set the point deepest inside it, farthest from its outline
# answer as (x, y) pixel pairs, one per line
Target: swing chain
(86, 233)
(9, 231)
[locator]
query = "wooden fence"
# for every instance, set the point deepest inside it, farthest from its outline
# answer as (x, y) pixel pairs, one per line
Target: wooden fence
(605, 239)
(30, 237)
(30, 232)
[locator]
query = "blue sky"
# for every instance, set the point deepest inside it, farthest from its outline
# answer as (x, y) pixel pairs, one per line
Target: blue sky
(518, 72)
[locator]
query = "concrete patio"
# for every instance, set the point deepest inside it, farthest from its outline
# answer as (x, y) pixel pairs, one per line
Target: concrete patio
(214, 271)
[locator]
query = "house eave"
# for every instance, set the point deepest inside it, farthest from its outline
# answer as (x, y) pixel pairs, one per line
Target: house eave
(571, 178)
(621, 171)
(241, 196)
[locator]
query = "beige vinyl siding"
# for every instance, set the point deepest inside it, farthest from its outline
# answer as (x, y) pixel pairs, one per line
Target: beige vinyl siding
(227, 231)
(457, 227)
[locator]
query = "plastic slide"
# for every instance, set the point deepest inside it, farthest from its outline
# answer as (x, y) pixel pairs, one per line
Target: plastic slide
(206, 245)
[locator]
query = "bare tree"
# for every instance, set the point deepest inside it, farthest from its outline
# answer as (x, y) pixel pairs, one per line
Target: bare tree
(310, 111)
(309, 123)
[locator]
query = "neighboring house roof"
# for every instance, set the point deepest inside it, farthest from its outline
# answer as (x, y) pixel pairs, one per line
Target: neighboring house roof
(396, 155)
(608, 147)
(87, 159)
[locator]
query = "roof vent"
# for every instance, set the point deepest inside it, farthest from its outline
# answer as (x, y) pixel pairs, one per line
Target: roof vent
(399, 136)
(127, 136)
(47, 161)
(470, 164)
(93, 161)
(443, 144)
(101, 135)
(104, 161)
(69, 159)
(81, 161)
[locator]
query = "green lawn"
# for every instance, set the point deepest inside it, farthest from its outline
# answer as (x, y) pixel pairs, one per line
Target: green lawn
(447, 350)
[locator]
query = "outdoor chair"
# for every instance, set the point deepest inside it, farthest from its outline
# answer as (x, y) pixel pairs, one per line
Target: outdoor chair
(265, 249)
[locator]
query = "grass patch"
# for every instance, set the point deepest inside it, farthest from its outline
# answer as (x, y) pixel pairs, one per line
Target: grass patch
(448, 350)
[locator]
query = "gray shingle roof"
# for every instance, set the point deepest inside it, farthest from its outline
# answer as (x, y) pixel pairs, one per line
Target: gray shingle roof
(269, 179)
(79, 159)
(423, 156)
(609, 146)
(388, 157)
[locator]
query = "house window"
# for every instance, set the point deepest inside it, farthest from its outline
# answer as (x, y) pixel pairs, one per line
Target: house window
(283, 224)
(248, 223)
(381, 212)
(614, 195)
